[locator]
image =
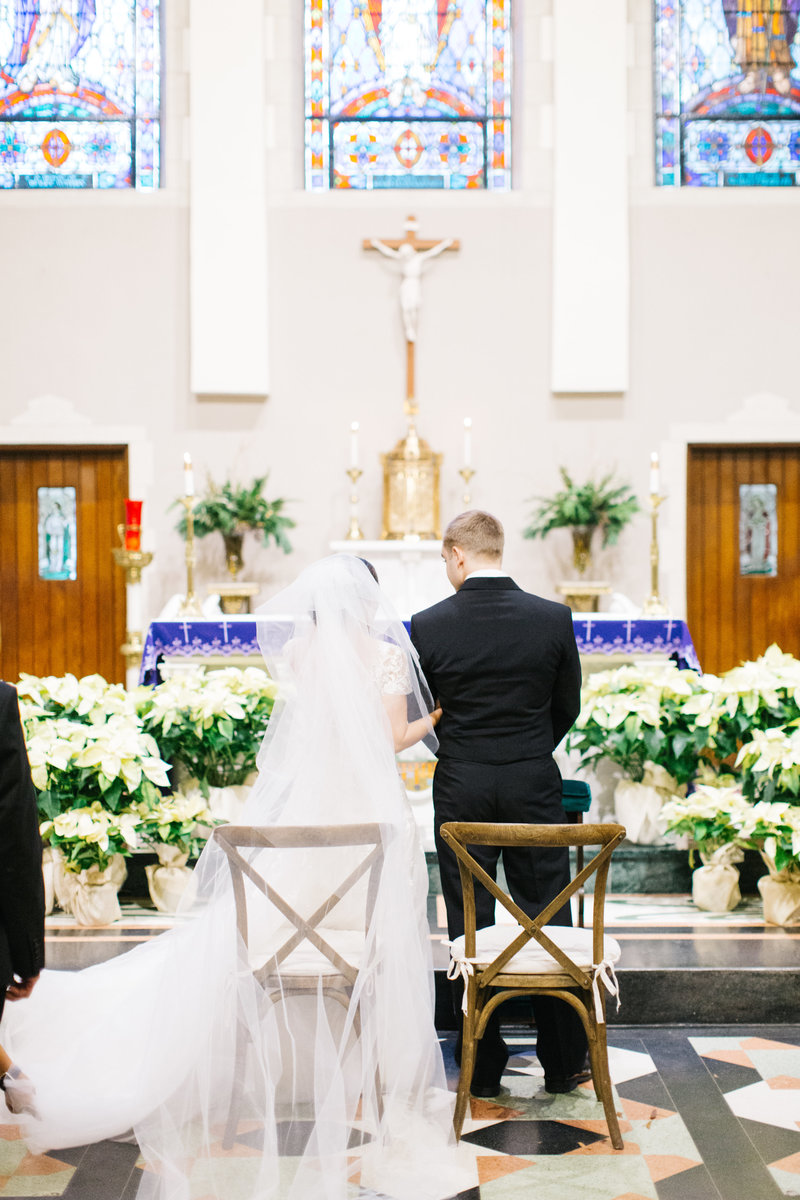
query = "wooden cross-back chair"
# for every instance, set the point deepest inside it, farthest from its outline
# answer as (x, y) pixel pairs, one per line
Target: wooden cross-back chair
(305, 955)
(532, 957)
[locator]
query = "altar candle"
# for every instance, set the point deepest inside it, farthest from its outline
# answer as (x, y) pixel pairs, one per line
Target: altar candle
(654, 475)
(354, 443)
(188, 475)
(467, 441)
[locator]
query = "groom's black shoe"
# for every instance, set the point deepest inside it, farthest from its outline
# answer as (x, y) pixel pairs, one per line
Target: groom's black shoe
(486, 1078)
(560, 1086)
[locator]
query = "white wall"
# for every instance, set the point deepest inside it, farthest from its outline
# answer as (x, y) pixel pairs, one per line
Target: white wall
(95, 309)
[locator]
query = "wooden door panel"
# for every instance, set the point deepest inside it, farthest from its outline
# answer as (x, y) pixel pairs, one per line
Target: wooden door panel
(59, 626)
(731, 616)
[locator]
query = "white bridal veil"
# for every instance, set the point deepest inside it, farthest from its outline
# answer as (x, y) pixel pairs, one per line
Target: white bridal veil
(334, 1093)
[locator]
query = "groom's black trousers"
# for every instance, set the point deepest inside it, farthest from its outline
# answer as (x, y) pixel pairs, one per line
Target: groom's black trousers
(525, 792)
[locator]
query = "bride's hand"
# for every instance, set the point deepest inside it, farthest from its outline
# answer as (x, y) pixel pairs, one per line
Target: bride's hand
(435, 716)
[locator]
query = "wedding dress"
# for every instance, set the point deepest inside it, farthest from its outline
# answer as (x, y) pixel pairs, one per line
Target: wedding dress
(333, 1095)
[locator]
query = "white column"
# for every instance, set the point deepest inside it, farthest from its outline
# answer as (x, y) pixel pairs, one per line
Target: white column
(228, 237)
(590, 209)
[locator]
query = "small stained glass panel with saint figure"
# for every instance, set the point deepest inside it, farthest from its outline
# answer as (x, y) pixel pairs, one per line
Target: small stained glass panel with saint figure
(727, 107)
(408, 94)
(58, 533)
(758, 529)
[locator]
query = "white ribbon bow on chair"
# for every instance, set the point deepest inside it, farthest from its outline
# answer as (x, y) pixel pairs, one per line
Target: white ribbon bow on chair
(604, 973)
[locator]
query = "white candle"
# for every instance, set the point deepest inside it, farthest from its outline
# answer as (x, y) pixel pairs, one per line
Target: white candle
(354, 443)
(654, 475)
(467, 441)
(188, 475)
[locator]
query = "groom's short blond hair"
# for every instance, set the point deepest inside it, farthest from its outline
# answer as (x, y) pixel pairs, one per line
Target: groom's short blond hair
(477, 533)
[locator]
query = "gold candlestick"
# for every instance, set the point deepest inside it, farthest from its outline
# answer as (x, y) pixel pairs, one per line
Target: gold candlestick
(354, 533)
(466, 474)
(654, 606)
(190, 605)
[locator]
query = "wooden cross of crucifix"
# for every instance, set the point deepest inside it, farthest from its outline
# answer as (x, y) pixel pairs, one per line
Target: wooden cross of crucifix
(411, 253)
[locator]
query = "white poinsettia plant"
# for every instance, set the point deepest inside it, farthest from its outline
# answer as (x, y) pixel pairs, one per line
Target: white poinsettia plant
(637, 716)
(90, 699)
(755, 696)
(712, 815)
(91, 836)
(73, 765)
(771, 765)
(211, 722)
(181, 819)
(773, 828)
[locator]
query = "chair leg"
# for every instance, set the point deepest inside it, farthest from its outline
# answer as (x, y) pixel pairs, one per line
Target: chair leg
(467, 1061)
(598, 1056)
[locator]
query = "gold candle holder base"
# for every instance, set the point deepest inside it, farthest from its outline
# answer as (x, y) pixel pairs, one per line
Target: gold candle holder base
(354, 533)
(466, 474)
(132, 562)
(131, 649)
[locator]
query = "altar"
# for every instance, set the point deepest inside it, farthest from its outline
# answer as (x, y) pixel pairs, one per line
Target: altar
(232, 641)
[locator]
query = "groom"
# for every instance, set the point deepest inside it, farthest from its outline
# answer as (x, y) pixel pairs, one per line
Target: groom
(504, 667)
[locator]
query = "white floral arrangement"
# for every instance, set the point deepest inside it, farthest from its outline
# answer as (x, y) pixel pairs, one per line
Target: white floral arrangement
(73, 765)
(181, 819)
(771, 760)
(91, 836)
(643, 716)
(212, 723)
(773, 828)
(90, 699)
(713, 816)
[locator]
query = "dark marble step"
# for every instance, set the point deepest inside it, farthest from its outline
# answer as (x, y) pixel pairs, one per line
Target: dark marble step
(646, 869)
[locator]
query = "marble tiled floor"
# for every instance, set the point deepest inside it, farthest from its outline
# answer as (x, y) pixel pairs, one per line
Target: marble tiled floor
(706, 1114)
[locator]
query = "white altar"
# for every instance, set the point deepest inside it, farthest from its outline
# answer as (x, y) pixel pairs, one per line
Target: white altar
(411, 570)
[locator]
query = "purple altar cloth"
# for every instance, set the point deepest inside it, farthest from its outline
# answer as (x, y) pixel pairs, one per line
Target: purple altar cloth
(594, 634)
(639, 635)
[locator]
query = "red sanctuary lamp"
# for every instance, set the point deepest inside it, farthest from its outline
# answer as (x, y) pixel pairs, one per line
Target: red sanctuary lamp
(133, 524)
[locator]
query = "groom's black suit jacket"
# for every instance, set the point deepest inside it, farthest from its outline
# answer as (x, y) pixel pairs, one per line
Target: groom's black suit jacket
(21, 886)
(504, 666)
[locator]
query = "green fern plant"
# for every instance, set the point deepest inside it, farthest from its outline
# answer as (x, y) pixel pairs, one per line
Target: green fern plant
(606, 505)
(233, 509)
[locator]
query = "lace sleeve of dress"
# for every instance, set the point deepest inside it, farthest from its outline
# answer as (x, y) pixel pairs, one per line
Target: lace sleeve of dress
(391, 672)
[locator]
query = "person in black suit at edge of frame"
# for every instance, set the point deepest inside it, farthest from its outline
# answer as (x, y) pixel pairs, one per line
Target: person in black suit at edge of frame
(504, 667)
(21, 886)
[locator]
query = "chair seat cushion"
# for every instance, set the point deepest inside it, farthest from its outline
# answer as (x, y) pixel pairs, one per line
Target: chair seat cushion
(533, 959)
(308, 960)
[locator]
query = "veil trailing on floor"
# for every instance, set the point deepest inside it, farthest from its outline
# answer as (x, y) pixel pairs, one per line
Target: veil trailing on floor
(334, 1092)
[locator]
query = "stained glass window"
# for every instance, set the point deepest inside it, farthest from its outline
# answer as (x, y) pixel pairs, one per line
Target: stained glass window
(79, 93)
(58, 533)
(408, 94)
(727, 93)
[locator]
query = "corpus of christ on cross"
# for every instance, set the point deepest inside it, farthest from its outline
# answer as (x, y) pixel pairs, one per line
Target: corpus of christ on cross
(411, 254)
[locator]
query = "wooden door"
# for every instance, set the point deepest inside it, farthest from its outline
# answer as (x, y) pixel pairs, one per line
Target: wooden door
(54, 626)
(734, 616)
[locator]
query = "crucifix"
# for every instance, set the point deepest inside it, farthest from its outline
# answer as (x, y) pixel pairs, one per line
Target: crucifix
(411, 254)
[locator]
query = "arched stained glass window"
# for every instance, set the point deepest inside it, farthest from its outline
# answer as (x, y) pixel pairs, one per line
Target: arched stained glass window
(408, 94)
(79, 93)
(727, 93)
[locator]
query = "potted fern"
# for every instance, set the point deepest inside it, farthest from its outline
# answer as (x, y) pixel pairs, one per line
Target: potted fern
(235, 508)
(583, 509)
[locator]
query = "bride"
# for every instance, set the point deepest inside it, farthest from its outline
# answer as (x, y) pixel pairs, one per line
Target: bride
(334, 1096)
